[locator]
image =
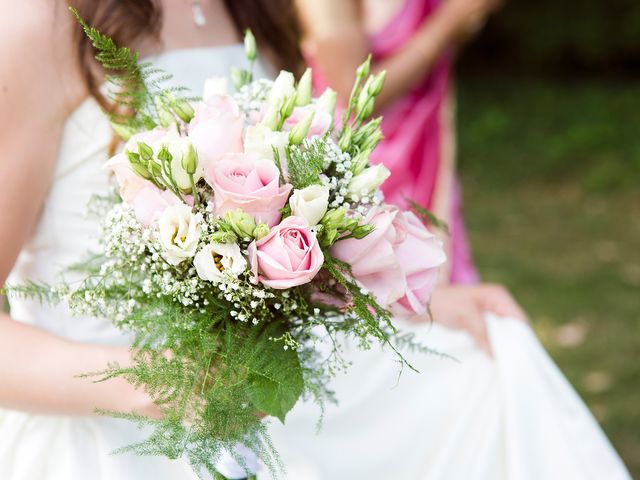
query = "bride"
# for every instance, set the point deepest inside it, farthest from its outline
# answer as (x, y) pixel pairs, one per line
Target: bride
(510, 416)
(55, 141)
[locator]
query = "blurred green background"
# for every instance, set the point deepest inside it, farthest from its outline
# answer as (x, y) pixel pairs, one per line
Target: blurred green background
(549, 138)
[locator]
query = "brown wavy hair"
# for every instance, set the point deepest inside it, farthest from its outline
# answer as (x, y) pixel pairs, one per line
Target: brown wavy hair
(273, 23)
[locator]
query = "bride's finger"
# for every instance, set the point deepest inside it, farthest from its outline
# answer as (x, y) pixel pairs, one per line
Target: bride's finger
(477, 328)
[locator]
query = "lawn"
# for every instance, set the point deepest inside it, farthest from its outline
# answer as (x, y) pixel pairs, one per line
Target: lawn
(550, 171)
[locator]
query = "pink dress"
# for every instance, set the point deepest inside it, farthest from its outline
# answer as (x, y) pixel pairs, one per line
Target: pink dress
(418, 146)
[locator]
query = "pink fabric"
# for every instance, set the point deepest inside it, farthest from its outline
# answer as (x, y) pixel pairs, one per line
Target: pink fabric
(413, 133)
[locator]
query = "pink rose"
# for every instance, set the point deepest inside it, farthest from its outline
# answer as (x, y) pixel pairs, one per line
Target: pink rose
(288, 256)
(398, 262)
(146, 199)
(239, 181)
(129, 182)
(216, 129)
(321, 122)
(151, 201)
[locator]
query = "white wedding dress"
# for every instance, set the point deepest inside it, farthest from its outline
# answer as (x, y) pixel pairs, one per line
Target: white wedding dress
(41, 447)
(511, 417)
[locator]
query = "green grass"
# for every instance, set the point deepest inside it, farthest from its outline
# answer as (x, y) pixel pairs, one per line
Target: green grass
(550, 172)
(515, 130)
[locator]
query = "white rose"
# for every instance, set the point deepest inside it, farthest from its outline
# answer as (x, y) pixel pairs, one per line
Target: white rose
(282, 88)
(179, 233)
(260, 140)
(310, 203)
(368, 180)
(217, 259)
(215, 86)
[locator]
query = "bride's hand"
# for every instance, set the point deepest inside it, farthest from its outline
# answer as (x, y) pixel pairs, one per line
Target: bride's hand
(464, 308)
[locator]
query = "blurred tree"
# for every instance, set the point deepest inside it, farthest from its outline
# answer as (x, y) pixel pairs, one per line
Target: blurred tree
(565, 36)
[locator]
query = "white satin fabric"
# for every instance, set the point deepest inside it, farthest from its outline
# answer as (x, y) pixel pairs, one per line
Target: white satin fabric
(40, 447)
(510, 417)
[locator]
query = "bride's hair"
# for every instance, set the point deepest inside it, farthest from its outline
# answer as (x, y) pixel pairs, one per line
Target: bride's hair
(273, 23)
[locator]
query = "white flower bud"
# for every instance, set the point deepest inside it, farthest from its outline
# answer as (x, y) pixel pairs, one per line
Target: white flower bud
(179, 147)
(310, 203)
(190, 160)
(363, 69)
(299, 132)
(304, 90)
(327, 101)
(241, 222)
(368, 180)
(250, 49)
(283, 87)
(165, 115)
(375, 87)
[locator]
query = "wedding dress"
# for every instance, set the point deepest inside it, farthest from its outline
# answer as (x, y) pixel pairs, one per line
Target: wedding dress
(463, 417)
(511, 417)
(42, 447)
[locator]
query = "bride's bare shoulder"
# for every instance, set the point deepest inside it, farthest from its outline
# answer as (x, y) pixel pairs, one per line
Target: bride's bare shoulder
(37, 53)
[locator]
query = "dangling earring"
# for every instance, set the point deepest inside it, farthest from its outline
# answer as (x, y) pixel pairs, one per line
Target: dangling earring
(198, 15)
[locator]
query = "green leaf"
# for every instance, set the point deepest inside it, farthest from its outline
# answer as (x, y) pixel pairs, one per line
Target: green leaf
(275, 382)
(427, 217)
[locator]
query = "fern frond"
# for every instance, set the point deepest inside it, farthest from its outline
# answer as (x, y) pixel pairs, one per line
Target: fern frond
(133, 85)
(31, 289)
(125, 75)
(305, 164)
(377, 320)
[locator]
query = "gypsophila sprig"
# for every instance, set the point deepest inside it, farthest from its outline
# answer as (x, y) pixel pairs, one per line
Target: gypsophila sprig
(246, 232)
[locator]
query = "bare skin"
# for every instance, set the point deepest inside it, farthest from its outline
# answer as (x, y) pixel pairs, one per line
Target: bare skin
(464, 307)
(40, 85)
(336, 34)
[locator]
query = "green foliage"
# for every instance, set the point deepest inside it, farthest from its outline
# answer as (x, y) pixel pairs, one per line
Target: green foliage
(211, 377)
(135, 88)
(305, 165)
(376, 321)
(31, 289)
(276, 384)
(515, 131)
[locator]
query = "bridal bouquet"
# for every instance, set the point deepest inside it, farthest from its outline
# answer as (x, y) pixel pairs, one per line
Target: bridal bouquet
(247, 228)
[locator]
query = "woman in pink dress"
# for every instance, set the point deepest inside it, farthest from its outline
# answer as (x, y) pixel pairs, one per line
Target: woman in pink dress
(508, 416)
(415, 42)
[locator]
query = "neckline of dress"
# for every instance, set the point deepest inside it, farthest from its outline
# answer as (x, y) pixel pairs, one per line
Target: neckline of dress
(183, 50)
(89, 100)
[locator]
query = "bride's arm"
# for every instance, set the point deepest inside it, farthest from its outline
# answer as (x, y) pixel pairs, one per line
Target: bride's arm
(38, 373)
(38, 87)
(334, 30)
